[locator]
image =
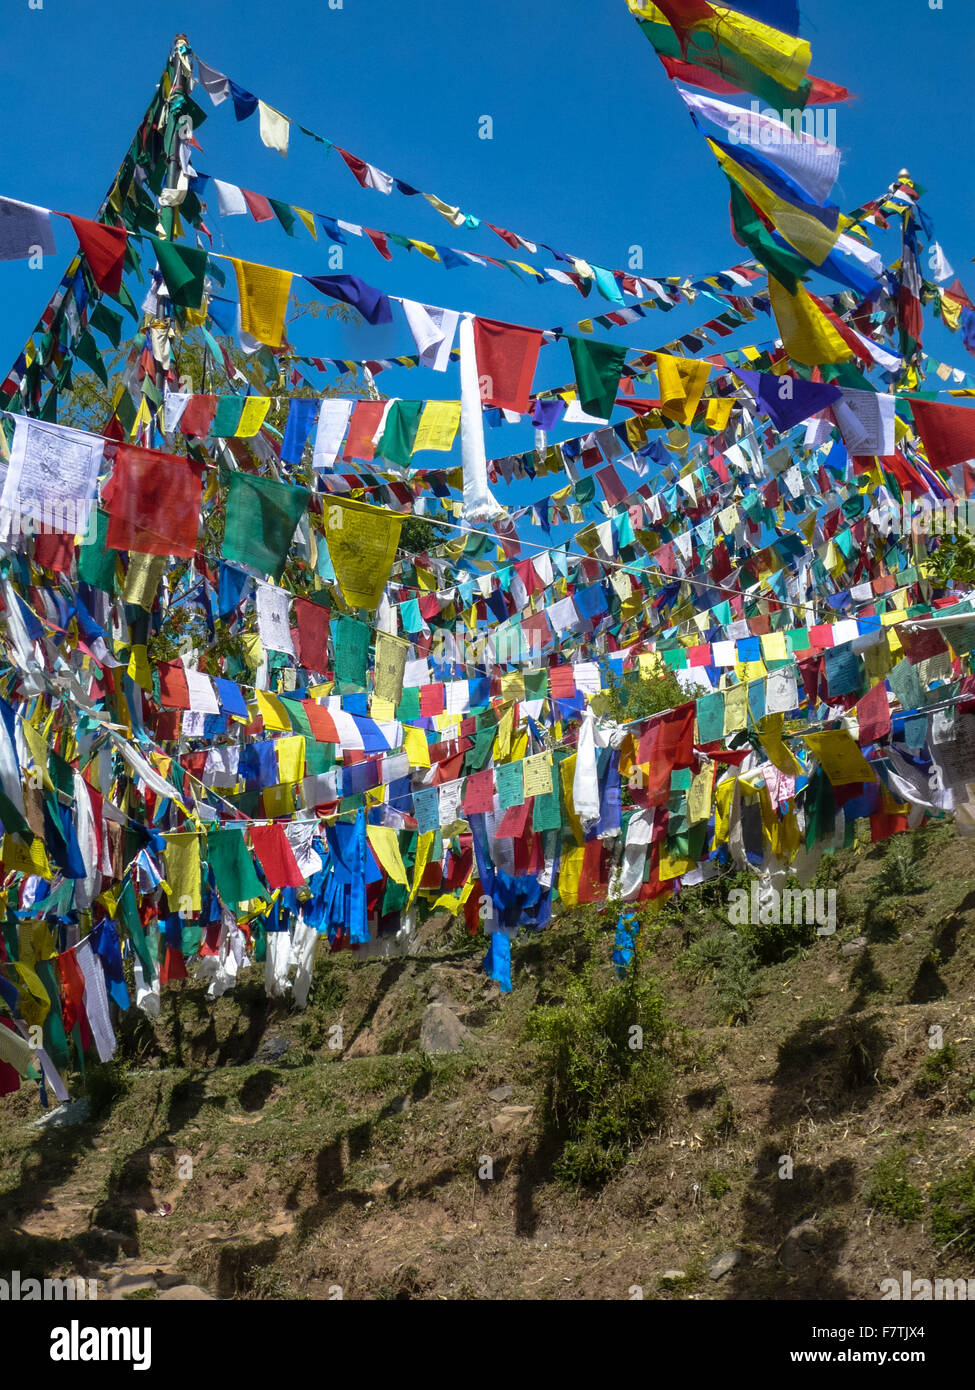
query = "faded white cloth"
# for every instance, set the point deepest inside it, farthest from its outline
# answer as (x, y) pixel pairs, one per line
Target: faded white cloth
(332, 421)
(273, 624)
(479, 504)
(277, 963)
(813, 164)
(202, 696)
(585, 781)
(95, 1000)
(866, 421)
(275, 128)
(230, 199)
(25, 230)
(303, 955)
(216, 85)
(629, 877)
(433, 332)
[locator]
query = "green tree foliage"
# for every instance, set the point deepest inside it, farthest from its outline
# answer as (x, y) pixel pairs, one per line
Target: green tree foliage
(632, 696)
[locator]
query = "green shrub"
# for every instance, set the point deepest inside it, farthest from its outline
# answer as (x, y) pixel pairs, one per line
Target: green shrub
(936, 1069)
(105, 1083)
(891, 1191)
(607, 1086)
(716, 1184)
(726, 957)
(953, 1210)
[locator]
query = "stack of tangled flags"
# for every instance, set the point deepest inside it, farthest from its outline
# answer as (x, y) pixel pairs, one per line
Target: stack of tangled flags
(239, 712)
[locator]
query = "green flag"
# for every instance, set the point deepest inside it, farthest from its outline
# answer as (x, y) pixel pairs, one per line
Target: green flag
(261, 518)
(597, 368)
(399, 432)
(184, 269)
(233, 867)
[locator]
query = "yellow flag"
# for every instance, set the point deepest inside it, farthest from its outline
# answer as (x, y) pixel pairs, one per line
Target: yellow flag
(718, 413)
(390, 664)
(309, 220)
(263, 294)
(273, 713)
(417, 748)
(252, 416)
(735, 709)
(384, 843)
(840, 758)
(438, 426)
(424, 844)
(780, 56)
(291, 758)
(182, 860)
(570, 872)
(138, 668)
(142, 579)
(681, 382)
(362, 543)
(807, 334)
(779, 753)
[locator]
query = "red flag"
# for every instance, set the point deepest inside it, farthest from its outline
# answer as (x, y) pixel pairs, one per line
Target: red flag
(873, 715)
(104, 250)
(506, 357)
(312, 634)
(258, 206)
(277, 857)
(366, 419)
(948, 432)
(153, 502)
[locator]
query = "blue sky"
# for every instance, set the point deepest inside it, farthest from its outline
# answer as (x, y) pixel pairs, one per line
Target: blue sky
(592, 151)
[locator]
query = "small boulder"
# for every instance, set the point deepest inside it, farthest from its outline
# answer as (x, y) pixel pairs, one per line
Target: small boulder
(724, 1264)
(185, 1293)
(510, 1117)
(272, 1050)
(73, 1112)
(501, 1093)
(441, 1030)
(801, 1244)
(854, 947)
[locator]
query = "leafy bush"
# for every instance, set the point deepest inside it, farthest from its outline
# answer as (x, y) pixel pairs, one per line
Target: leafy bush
(607, 1086)
(890, 1190)
(953, 1210)
(901, 874)
(105, 1083)
(726, 957)
(716, 1184)
(936, 1069)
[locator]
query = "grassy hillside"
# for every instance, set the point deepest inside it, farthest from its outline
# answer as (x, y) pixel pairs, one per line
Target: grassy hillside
(613, 1168)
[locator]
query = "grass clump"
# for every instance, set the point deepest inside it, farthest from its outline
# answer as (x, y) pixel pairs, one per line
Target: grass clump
(953, 1210)
(892, 1192)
